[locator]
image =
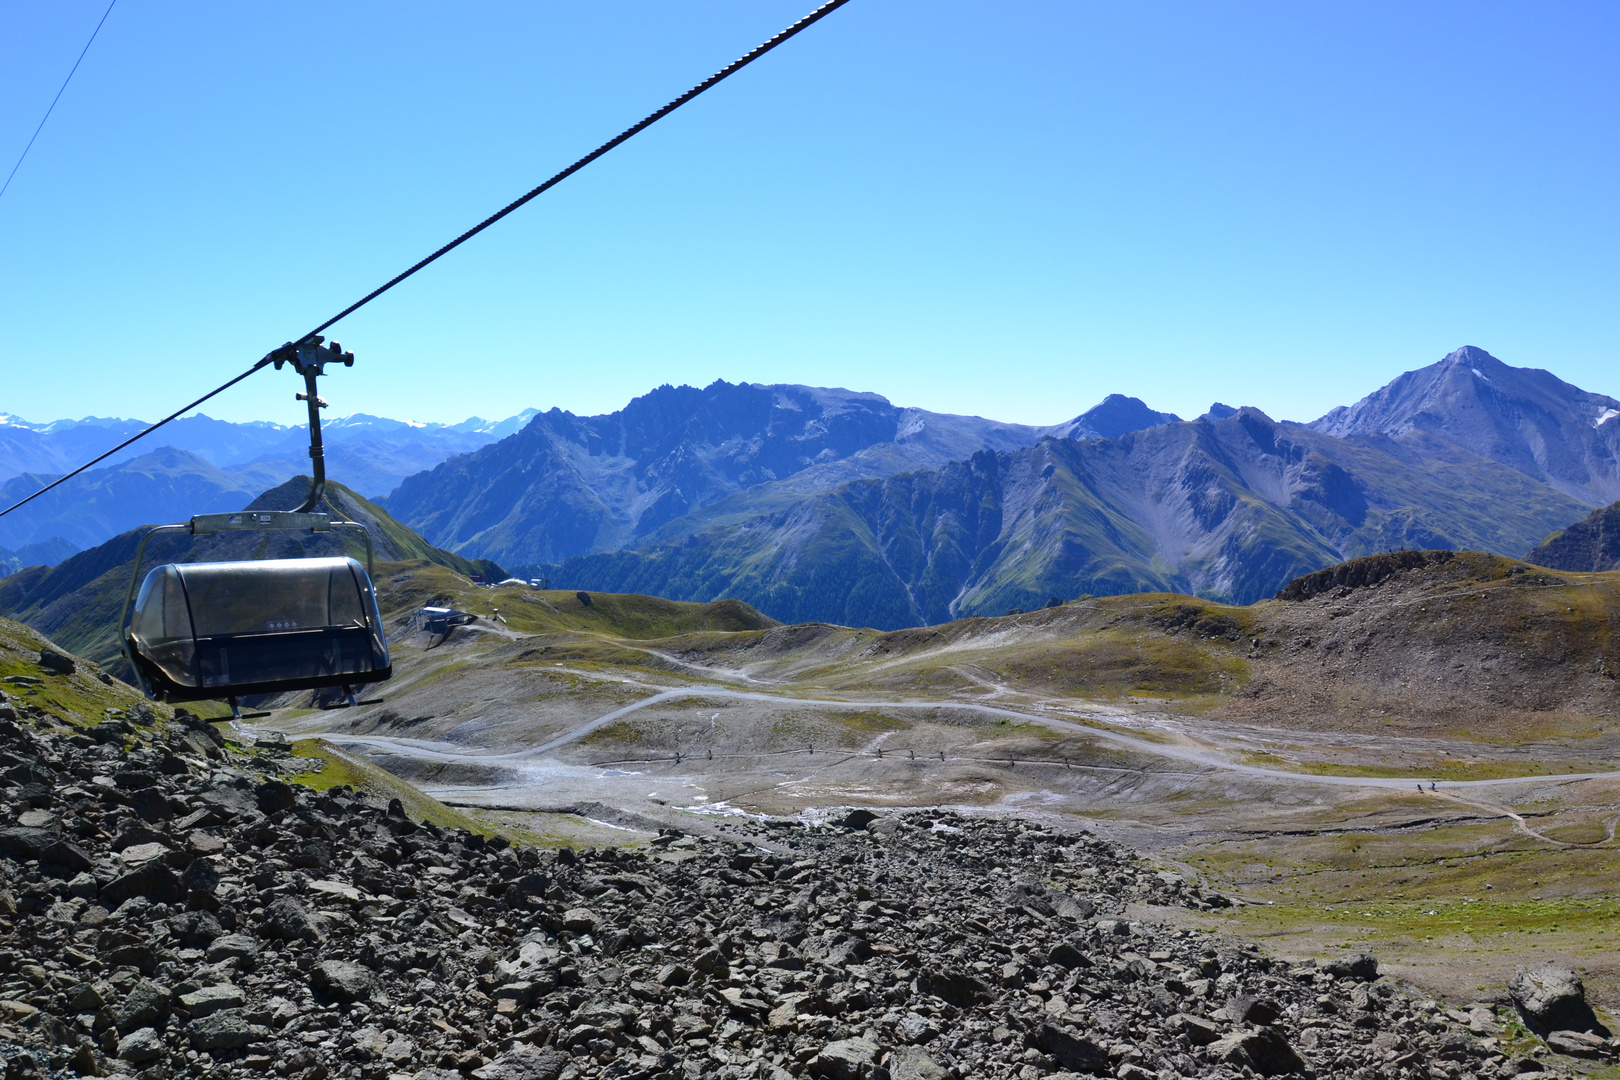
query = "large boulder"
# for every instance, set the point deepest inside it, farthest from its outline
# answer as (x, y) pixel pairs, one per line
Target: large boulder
(285, 919)
(524, 1063)
(1362, 966)
(146, 1005)
(343, 981)
(223, 1030)
(275, 796)
(153, 881)
(141, 1046)
(1552, 998)
(914, 1063)
(1262, 1049)
(23, 843)
(846, 1059)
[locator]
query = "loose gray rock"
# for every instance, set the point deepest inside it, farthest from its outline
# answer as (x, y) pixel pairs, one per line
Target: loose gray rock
(524, 1063)
(1579, 1044)
(913, 1063)
(953, 987)
(211, 999)
(152, 881)
(141, 1046)
(274, 797)
(1363, 966)
(146, 1005)
(1264, 1050)
(223, 1030)
(286, 919)
(1071, 1050)
(232, 947)
(343, 980)
(846, 1059)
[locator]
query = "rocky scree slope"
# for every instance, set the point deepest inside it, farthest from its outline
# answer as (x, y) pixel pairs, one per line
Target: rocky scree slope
(170, 908)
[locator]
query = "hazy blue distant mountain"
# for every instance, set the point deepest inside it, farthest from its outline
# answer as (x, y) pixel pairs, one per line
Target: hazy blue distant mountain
(77, 601)
(370, 453)
(1561, 435)
(816, 503)
(568, 485)
(46, 553)
(1113, 417)
(165, 485)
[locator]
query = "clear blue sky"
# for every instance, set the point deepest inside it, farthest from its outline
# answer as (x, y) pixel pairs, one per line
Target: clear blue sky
(1008, 209)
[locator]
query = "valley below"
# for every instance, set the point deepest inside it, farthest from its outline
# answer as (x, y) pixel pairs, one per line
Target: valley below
(1458, 831)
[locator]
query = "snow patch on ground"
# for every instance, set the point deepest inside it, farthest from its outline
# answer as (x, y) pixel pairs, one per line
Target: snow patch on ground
(1605, 416)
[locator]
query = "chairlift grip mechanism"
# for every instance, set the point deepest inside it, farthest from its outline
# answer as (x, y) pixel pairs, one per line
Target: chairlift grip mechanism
(309, 358)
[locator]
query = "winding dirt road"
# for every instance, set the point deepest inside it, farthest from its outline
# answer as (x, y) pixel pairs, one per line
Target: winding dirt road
(1209, 759)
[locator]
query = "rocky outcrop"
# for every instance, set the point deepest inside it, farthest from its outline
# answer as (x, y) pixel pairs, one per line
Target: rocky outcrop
(1361, 573)
(1591, 544)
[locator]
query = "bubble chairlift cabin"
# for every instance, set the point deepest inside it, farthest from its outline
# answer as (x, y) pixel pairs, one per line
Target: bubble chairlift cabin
(220, 630)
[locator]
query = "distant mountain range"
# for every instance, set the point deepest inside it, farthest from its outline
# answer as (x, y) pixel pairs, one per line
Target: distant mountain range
(828, 504)
(199, 465)
(568, 485)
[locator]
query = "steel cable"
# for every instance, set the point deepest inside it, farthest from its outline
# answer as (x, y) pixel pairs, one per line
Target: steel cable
(730, 69)
(57, 98)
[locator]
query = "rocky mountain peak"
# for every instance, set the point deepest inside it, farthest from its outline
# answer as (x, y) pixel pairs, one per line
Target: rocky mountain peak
(1113, 416)
(1527, 418)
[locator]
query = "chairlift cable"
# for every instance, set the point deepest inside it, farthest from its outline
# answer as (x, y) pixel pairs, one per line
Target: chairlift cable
(57, 98)
(730, 69)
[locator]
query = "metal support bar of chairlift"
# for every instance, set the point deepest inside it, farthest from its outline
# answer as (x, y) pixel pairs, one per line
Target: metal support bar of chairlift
(309, 358)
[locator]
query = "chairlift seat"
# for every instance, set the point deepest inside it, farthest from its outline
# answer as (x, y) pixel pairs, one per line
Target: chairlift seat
(222, 629)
